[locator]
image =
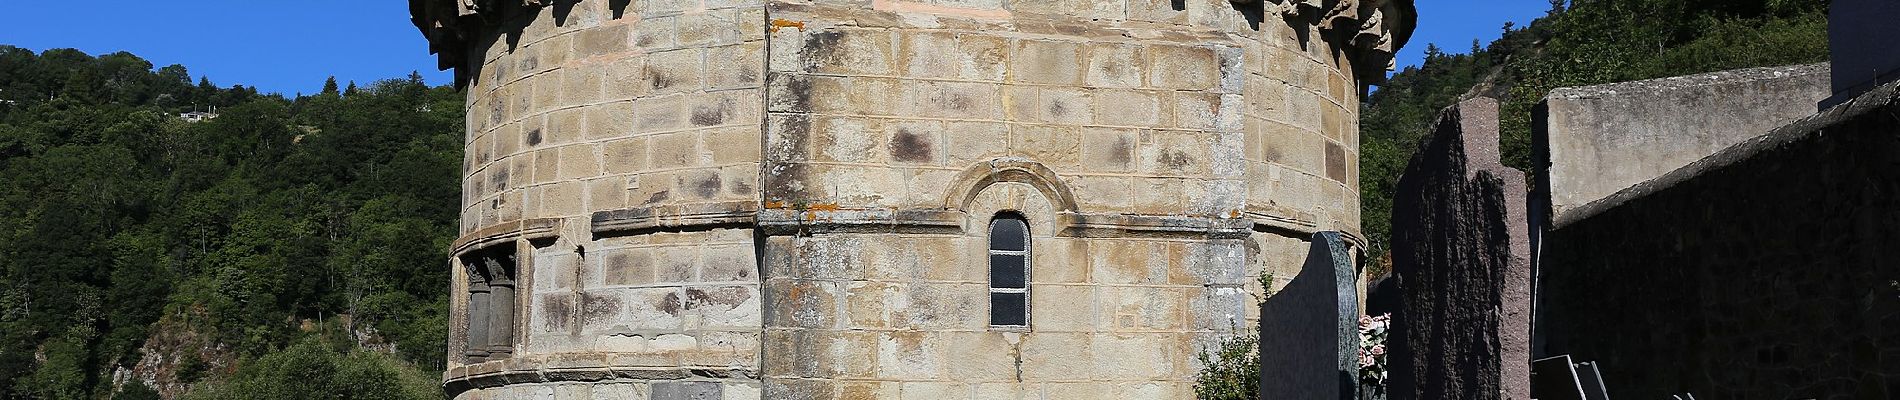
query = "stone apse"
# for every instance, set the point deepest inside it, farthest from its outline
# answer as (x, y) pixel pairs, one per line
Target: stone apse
(890, 199)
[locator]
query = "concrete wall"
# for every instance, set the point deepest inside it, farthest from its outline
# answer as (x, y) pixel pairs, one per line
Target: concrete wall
(1763, 271)
(1603, 139)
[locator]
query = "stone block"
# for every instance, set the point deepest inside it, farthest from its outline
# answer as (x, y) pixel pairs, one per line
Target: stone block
(621, 156)
(609, 120)
(704, 29)
(687, 390)
(1066, 106)
(698, 184)
(1052, 145)
(978, 356)
(674, 71)
(725, 307)
(736, 144)
(581, 84)
(564, 126)
(1183, 68)
(1054, 356)
(1059, 260)
(674, 150)
(1109, 149)
(973, 141)
(1117, 65)
(627, 266)
(848, 140)
(1045, 62)
(943, 99)
(1174, 153)
(728, 263)
(625, 78)
(735, 66)
(1065, 308)
(1130, 108)
(850, 52)
(915, 142)
(1195, 110)
(608, 193)
(577, 161)
(562, 199)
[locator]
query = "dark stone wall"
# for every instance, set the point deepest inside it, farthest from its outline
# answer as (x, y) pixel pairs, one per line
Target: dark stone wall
(1764, 271)
(1461, 254)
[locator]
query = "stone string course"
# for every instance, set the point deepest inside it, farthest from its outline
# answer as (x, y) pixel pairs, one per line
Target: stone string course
(788, 198)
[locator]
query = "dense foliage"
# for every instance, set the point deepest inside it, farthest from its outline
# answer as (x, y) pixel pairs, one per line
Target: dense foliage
(1582, 42)
(286, 231)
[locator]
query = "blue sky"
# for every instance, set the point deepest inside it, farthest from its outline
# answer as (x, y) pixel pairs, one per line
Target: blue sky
(290, 46)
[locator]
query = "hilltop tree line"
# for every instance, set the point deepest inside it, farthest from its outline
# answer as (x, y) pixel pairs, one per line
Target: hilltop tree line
(291, 246)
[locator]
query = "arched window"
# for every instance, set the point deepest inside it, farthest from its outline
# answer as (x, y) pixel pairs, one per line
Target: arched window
(1009, 270)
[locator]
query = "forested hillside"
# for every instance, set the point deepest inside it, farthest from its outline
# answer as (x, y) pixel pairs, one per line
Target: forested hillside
(287, 248)
(1582, 42)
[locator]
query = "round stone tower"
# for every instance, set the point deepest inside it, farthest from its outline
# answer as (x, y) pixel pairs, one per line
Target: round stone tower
(887, 198)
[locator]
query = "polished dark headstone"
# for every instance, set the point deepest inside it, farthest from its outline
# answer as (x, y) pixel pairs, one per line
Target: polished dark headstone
(1309, 330)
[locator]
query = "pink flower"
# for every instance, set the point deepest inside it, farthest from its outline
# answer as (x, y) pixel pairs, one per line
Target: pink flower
(1365, 361)
(1378, 350)
(1365, 322)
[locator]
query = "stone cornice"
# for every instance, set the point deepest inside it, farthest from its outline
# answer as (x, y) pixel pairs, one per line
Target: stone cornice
(532, 229)
(450, 25)
(1371, 31)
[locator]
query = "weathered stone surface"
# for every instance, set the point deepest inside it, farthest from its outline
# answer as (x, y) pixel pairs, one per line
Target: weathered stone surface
(1460, 246)
(1602, 139)
(808, 221)
(686, 391)
(1766, 270)
(1309, 330)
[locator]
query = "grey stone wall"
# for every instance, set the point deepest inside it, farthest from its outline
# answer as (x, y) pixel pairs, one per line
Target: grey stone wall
(1764, 271)
(1461, 254)
(1598, 140)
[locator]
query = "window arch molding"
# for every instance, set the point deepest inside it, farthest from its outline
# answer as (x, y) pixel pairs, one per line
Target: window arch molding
(1013, 201)
(974, 181)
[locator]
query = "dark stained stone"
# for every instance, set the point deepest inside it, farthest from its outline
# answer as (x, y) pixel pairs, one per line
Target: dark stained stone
(1462, 253)
(687, 391)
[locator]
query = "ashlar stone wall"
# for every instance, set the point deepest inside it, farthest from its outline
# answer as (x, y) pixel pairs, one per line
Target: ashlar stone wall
(1144, 142)
(617, 145)
(790, 199)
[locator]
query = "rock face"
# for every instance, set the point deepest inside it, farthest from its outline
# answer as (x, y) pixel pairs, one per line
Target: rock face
(1462, 254)
(1313, 322)
(800, 199)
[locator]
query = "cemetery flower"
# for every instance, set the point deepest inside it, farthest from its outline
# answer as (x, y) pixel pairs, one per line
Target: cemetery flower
(1372, 352)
